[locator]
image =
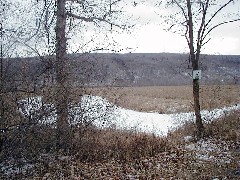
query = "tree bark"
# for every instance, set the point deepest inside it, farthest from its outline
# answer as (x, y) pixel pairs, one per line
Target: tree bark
(199, 123)
(61, 77)
(2, 120)
(1, 76)
(195, 66)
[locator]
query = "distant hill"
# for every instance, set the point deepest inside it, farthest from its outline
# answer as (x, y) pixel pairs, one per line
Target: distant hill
(132, 69)
(136, 69)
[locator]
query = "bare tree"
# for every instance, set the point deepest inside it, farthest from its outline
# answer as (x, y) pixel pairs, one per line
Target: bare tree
(69, 14)
(12, 80)
(196, 20)
(2, 123)
(1, 74)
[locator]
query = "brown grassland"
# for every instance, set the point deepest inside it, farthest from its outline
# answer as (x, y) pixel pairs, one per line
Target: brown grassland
(169, 99)
(123, 154)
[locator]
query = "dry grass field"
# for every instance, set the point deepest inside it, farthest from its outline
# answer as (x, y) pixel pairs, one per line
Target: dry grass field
(123, 154)
(170, 99)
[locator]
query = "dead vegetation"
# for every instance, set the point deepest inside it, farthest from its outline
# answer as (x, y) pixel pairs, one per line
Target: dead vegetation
(120, 154)
(112, 154)
(170, 99)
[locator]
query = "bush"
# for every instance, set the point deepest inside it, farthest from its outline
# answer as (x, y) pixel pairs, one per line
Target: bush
(103, 144)
(226, 128)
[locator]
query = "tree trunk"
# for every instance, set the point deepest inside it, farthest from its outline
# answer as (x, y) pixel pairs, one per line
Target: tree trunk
(1, 76)
(61, 77)
(195, 66)
(199, 124)
(2, 119)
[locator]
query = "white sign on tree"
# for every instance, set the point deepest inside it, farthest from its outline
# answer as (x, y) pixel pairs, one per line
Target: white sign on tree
(197, 74)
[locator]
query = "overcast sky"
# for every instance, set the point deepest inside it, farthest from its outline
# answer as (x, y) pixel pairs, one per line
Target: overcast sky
(149, 36)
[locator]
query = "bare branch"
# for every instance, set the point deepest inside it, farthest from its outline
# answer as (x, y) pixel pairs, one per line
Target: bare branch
(221, 8)
(30, 47)
(186, 35)
(206, 41)
(115, 2)
(168, 29)
(182, 9)
(190, 29)
(93, 19)
(77, 1)
(202, 26)
(83, 3)
(214, 27)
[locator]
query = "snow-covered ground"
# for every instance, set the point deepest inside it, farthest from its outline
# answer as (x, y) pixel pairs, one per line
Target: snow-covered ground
(104, 114)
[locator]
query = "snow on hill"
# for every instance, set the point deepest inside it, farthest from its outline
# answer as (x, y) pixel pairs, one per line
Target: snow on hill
(103, 114)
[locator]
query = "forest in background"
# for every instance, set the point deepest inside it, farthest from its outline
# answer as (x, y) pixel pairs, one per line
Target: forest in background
(132, 69)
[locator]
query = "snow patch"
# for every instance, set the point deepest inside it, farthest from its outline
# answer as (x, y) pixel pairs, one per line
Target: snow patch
(211, 150)
(103, 114)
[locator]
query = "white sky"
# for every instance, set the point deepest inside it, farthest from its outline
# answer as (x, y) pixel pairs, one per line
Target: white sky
(150, 37)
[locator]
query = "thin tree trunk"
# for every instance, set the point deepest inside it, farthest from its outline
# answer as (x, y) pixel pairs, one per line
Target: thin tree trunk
(61, 79)
(199, 124)
(2, 119)
(195, 66)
